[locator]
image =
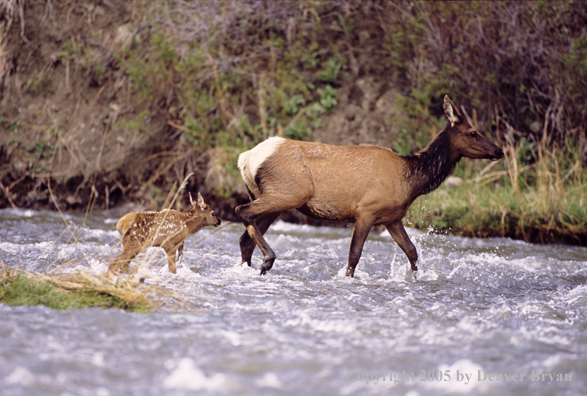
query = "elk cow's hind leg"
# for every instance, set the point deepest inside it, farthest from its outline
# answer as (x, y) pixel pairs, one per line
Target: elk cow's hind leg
(248, 244)
(258, 214)
(247, 213)
(268, 253)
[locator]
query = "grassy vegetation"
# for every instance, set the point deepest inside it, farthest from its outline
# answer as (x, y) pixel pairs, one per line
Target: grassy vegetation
(231, 82)
(541, 201)
(71, 291)
(248, 75)
(518, 69)
(224, 75)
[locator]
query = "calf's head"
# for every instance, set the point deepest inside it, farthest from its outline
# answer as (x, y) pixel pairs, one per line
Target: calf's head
(203, 212)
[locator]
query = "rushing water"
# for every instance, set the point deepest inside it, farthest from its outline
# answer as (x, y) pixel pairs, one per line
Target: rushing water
(486, 317)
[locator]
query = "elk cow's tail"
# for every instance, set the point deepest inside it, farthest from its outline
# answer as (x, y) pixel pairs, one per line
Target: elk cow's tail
(125, 223)
(250, 161)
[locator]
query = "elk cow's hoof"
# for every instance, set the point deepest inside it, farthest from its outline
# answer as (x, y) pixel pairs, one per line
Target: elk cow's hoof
(415, 273)
(267, 264)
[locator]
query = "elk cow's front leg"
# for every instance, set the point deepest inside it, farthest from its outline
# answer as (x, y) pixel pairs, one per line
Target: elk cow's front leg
(360, 233)
(399, 235)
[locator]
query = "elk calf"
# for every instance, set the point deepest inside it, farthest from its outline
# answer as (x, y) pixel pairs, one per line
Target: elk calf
(167, 228)
(365, 184)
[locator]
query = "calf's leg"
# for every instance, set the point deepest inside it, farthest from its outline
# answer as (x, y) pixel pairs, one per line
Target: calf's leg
(170, 253)
(122, 261)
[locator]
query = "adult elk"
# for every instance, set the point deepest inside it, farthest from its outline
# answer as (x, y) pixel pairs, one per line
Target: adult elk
(167, 228)
(365, 184)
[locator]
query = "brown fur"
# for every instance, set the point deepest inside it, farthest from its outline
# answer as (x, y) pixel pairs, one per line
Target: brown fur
(366, 184)
(166, 228)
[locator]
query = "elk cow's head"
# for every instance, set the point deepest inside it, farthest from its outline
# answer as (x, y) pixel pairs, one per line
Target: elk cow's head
(466, 140)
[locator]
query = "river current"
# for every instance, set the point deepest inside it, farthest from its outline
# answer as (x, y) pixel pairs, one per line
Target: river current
(486, 316)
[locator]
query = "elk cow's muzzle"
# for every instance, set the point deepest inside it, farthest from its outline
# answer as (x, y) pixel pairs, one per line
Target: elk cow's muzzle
(498, 154)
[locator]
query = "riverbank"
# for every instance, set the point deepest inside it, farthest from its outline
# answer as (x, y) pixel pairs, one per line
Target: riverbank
(123, 100)
(543, 202)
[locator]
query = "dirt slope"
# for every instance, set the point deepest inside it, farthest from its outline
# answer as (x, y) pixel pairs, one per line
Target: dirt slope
(65, 106)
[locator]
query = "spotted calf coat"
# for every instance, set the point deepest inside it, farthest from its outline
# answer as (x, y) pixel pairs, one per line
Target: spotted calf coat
(167, 228)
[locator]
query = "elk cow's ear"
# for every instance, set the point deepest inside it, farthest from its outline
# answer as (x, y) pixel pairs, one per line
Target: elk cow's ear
(451, 112)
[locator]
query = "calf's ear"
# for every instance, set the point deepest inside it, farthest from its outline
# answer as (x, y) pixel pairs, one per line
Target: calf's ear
(201, 201)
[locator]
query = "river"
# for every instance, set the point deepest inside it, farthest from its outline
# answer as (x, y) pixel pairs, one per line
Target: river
(485, 317)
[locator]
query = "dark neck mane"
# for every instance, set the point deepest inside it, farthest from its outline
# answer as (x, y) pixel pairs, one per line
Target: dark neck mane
(431, 166)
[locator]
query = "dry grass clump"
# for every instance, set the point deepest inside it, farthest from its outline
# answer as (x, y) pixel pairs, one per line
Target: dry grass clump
(65, 290)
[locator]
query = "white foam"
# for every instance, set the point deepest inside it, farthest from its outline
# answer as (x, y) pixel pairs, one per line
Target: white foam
(427, 275)
(233, 337)
(342, 326)
(554, 360)
(186, 375)
(9, 247)
(28, 213)
(239, 271)
(98, 359)
(65, 252)
(282, 226)
(20, 376)
(459, 384)
(97, 233)
(269, 380)
(577, 296)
